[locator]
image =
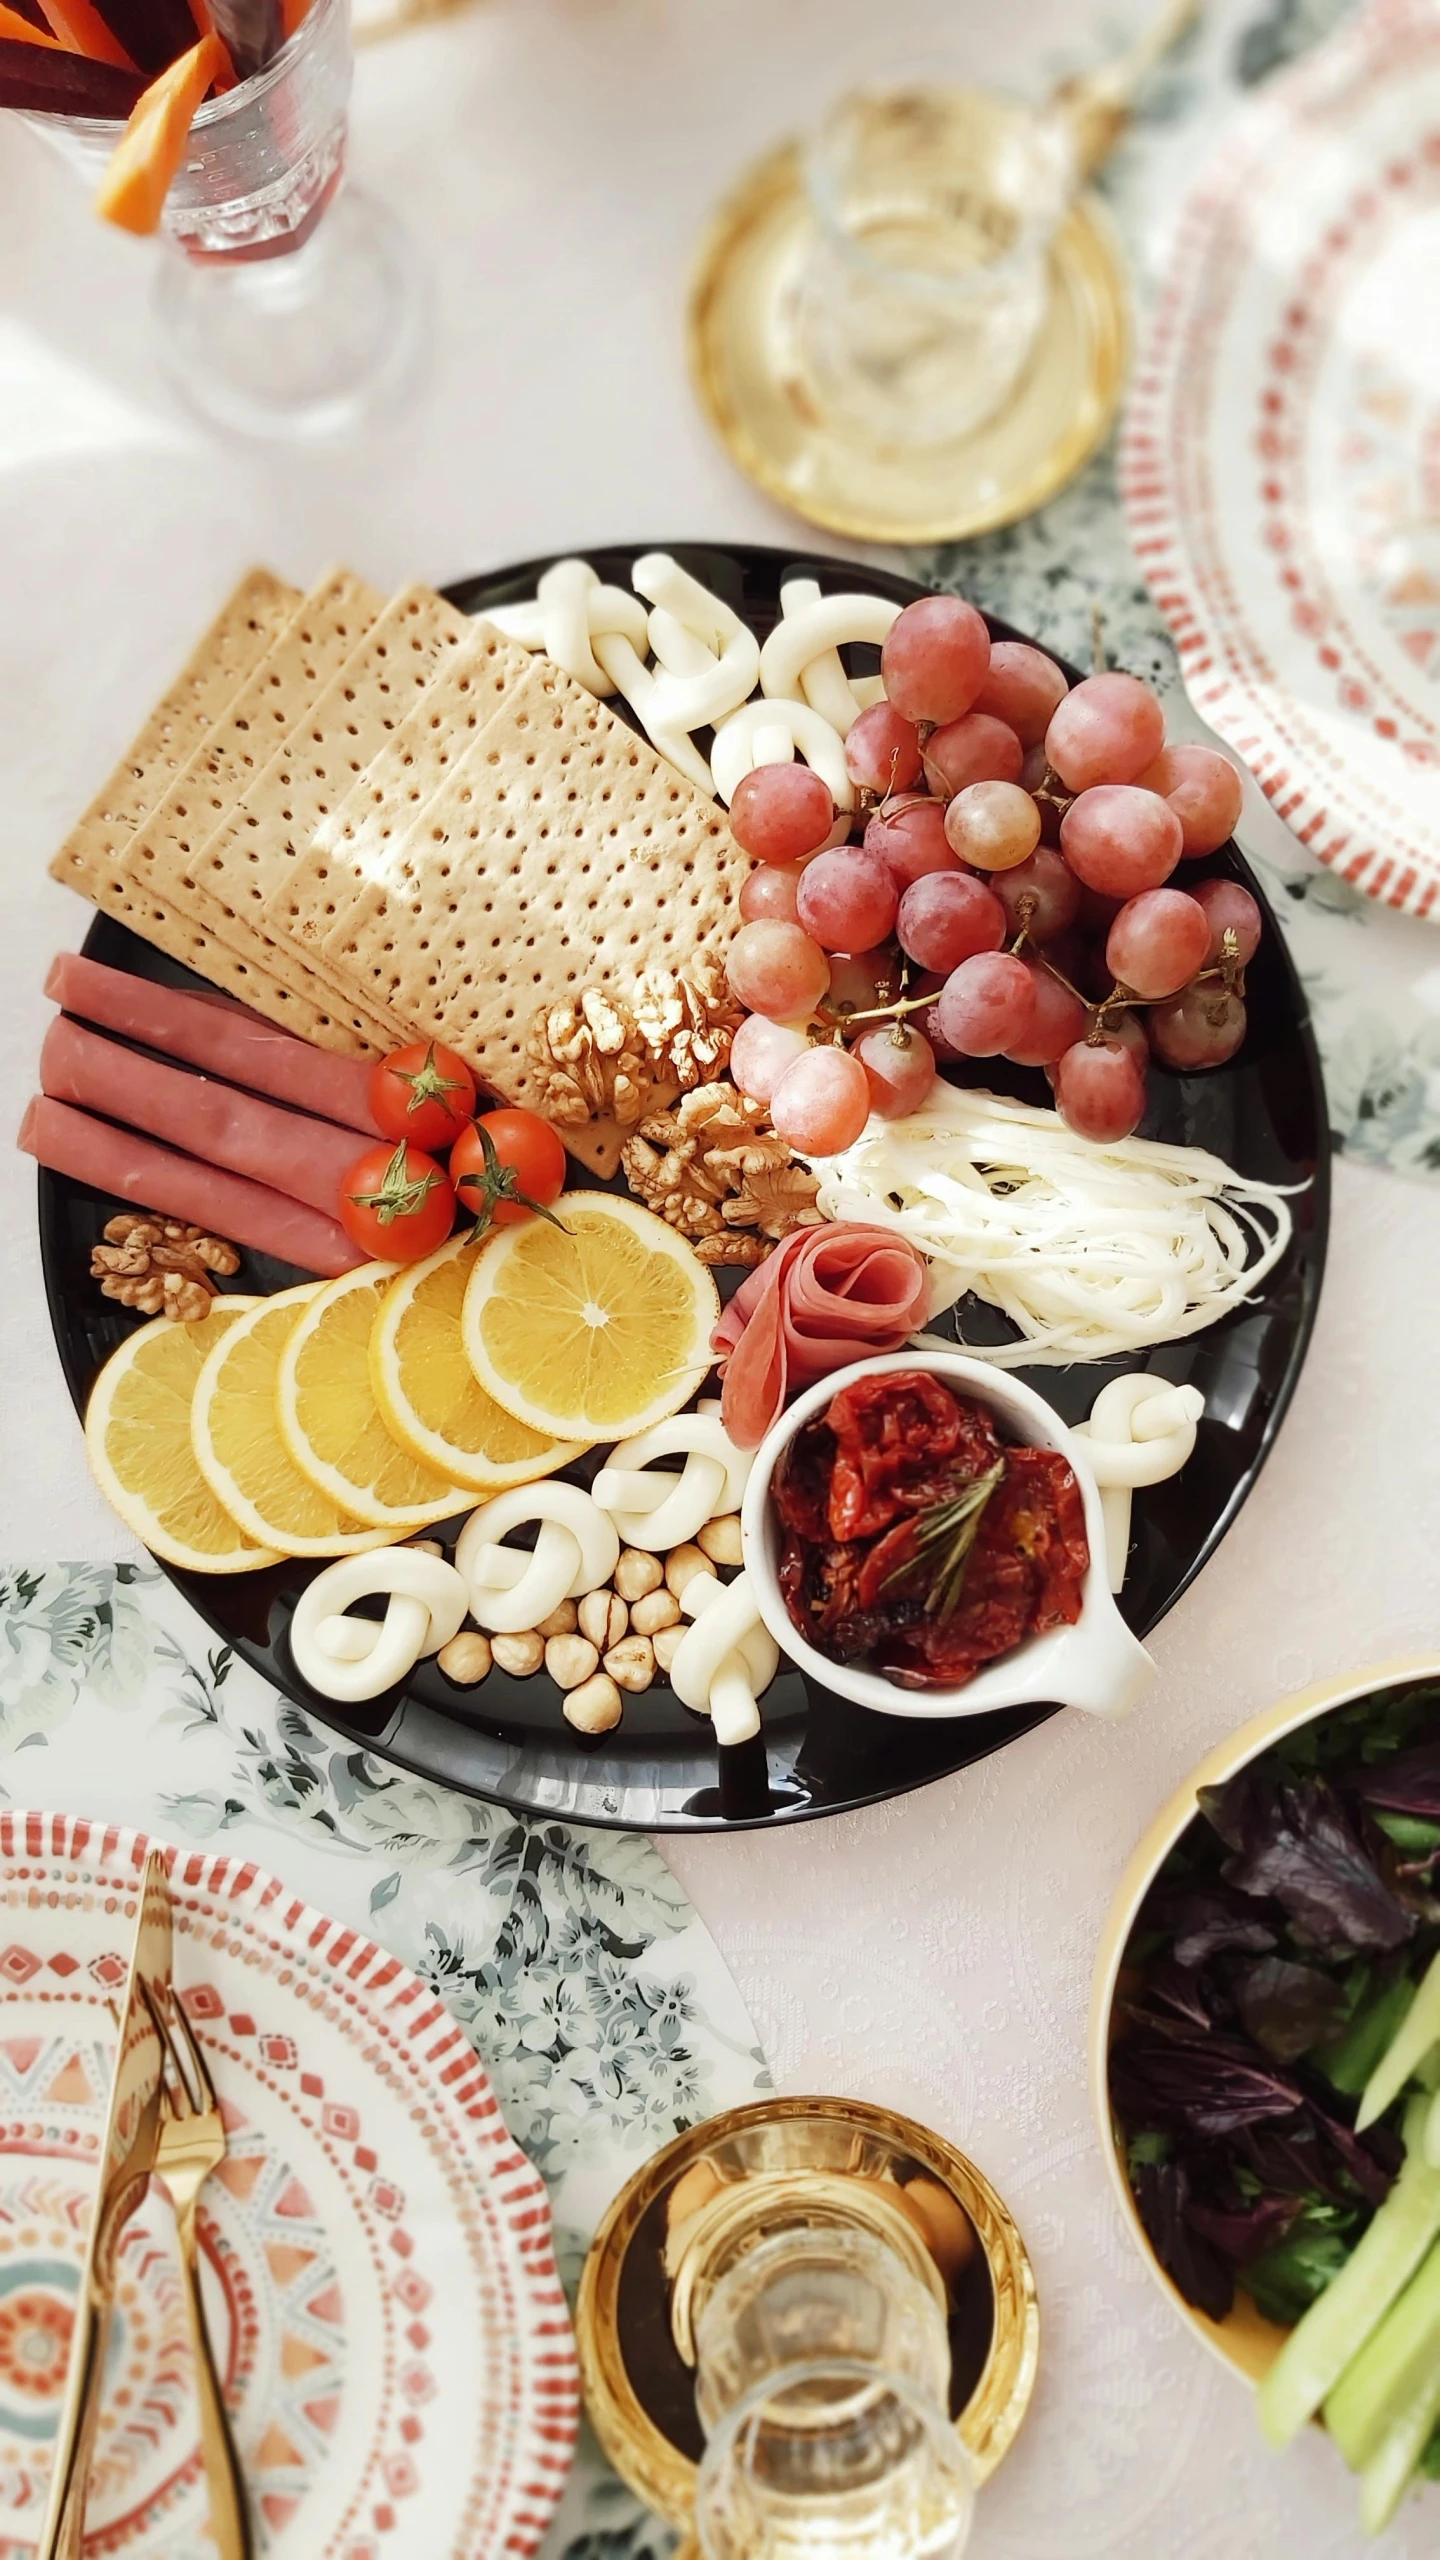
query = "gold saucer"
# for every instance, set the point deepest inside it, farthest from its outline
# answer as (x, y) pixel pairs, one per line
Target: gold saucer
(745, 367)
(638, 2392)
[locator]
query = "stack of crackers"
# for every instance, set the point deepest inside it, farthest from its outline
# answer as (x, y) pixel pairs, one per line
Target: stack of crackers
(375, 822)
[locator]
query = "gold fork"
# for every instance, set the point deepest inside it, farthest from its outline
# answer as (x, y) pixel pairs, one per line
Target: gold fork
(192, 2143)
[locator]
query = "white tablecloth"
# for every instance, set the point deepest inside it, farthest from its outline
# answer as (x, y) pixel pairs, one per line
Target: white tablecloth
(558, 157)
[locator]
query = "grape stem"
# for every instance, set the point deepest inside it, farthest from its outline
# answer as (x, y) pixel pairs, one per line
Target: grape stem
(892, 1012)
(1122, 999)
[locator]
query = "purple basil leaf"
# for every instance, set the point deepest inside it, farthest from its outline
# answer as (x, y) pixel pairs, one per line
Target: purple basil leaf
(1363, 2158)
(1203, 1918)
(1243, 2231)
(1208, 2084)
(1162, 2196)
(1288, 2008)
(1288, 2159)
(1297, 1844)
(1240, 1810)
(1173, 1992)
(1410, 1783)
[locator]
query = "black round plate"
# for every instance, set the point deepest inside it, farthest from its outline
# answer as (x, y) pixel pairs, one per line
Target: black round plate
(660, 1770)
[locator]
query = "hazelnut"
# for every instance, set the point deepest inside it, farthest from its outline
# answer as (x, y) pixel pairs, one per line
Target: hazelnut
(561, 1621)
(518, 1654)
(720, 1539)
(681, 1566)
(466, 1658)
(632, 1663)
(570, 1660)
(595, 1706)
(657, 1609)
(667, 1642)
(636, 1573)
(603, 1619)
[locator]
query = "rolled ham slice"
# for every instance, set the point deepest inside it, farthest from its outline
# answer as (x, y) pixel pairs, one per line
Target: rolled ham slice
(124, 1166)
(213, 1032)
(826, 1296)
(285, 1150)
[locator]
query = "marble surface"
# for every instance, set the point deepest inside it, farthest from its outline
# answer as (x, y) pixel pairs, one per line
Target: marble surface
(557, 157)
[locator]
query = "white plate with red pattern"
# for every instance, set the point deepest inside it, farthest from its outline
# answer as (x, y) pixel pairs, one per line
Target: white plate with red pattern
(376, 2251)
(1281, 458)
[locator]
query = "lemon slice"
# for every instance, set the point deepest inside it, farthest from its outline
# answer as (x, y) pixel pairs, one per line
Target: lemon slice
(137, 1435)
(427, 1391)
(237, 1443)
(592, 1329)
(329, 1419)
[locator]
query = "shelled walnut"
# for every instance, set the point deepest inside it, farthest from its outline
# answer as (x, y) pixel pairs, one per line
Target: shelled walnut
(715, 1170)
(160, 1266)
(602, 1053)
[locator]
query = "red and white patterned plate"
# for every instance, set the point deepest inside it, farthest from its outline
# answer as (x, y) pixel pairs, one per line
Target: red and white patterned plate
(1281, 459)
(377, 2262)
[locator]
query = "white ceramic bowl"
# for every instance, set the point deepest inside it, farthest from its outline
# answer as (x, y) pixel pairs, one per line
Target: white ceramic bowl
(1096, 1665)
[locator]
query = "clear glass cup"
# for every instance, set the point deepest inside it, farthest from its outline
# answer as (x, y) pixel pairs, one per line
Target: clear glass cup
(927, 284)
(290, 303)
(823, 2369)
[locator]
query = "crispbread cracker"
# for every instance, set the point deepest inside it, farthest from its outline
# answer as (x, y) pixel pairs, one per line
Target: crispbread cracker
(240, 870)
(561, 852)
(200, 951)
(211, 676)
(325, 627)
(354, 843)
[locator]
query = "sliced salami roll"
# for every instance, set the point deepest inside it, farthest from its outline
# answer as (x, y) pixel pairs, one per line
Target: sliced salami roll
(213, 1032)
(123, 1166)
(286, 1150)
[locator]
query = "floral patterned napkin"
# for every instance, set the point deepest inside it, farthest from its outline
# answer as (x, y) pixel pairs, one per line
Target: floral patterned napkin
(597, 1999)
(1372, 977)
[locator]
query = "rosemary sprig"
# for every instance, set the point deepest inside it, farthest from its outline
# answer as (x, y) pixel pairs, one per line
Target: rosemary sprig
(945, 1536)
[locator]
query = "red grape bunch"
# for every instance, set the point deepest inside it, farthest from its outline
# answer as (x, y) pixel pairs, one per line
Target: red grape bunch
(1008, 896)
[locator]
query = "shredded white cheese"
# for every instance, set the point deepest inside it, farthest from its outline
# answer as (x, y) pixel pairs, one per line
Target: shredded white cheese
(1089, 1250)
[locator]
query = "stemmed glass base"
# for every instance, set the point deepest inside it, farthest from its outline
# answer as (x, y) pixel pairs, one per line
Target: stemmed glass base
(310, 345)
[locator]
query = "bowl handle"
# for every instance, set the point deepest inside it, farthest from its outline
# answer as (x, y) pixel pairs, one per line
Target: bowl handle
(1103, 1668)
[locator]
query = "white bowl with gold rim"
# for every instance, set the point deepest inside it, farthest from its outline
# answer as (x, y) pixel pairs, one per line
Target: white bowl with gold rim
(1244, 2340)
(1096, 1664)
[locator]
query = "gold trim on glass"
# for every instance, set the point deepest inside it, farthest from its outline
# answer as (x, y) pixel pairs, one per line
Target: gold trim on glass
(1244, 2341)
(791, 2136)
(746, 371)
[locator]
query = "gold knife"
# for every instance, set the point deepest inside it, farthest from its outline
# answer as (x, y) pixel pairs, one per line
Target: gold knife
(132, 2140)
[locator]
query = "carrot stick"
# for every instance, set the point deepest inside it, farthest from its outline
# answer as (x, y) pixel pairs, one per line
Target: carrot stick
(292, 15)
(149, 151)
(17, 30)
(79, 25)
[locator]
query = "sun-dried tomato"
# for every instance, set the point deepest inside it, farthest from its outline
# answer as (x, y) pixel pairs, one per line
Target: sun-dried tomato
(898, 1437)
(802, 1481)
(863, 1496)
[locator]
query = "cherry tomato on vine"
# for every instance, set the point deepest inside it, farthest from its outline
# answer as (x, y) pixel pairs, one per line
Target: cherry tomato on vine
(509, 1165)
(396, 1203)
(424, 1094)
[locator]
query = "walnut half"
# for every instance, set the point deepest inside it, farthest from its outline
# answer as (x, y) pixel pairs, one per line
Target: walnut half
(160, 1266)
(713, 1168)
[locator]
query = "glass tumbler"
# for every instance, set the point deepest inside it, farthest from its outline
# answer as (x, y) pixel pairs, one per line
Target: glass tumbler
(822, 2373)
(928, 280)
(290, 303)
